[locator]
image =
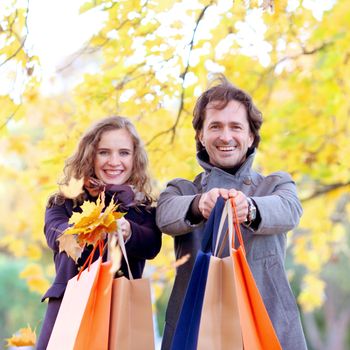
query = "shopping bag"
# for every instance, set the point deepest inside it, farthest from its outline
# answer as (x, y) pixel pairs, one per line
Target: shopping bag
(219, 325)
(82, 322)
(187, 328)
(257, 329)
(227, 291)
(131, 325)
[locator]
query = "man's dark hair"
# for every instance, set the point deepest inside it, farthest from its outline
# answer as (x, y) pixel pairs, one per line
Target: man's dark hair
(221, 94)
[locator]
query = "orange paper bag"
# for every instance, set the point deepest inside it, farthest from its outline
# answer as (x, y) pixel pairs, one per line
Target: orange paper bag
(82, 322)
(257, 329)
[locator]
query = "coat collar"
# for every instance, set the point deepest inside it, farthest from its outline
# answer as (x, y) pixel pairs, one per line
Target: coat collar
(244, 169)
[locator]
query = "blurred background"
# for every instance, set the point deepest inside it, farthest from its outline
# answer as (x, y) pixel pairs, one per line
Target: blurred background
(65, 64)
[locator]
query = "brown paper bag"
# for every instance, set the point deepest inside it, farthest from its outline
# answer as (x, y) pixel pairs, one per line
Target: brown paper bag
(220, 327)
(131, 322)
(131, 326)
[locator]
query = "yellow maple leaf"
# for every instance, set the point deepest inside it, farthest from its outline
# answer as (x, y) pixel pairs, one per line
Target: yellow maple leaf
(73, 189)
(90, 213)
(92, 224)
(24, 337)
(93, 236)
(69, 244)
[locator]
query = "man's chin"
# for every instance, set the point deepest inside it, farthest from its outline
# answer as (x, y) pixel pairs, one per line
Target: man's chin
(225, 163)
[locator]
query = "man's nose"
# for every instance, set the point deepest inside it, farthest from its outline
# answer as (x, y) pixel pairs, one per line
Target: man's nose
(226, 135)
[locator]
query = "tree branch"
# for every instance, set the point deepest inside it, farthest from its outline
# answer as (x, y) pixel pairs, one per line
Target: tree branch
(10, 117)
(23, 41)
(303, 52)
(325, 189)
(87, 49)
(172, 129)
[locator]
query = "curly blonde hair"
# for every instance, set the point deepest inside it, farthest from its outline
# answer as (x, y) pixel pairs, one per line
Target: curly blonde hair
(81, 163)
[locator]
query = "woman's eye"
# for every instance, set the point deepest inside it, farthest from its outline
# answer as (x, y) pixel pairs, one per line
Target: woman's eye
(124, 153)
(102, 153)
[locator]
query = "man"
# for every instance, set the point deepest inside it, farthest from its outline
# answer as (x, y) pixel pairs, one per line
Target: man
(227, 125)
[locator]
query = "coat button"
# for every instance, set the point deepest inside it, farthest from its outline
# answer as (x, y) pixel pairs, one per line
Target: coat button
(120, 273)
(247, 181)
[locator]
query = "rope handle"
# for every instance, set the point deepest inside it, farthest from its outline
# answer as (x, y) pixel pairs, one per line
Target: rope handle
(236, 225)
(122, 248)
(230, 212)
(88, 261)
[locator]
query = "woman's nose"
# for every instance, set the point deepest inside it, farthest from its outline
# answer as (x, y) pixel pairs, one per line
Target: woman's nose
(114, 159)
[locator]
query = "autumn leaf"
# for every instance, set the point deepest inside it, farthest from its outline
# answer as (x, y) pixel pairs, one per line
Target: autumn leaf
(69, 244)
(89, 226)
(24, 337)
(90, 213)
(73, 189)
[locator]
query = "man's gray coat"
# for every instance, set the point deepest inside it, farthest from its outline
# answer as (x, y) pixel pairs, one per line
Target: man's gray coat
(280, 210)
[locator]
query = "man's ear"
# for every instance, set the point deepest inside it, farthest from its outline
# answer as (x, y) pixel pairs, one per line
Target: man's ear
(200, 137)
(251, 139)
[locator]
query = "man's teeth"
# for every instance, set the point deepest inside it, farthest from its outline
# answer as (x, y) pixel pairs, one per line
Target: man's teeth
(226, 148)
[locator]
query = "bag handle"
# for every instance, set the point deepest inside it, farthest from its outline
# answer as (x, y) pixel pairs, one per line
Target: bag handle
(90, 258)
(233, 218)
(211, 225)
(122, 248)
(218, 250)
(230, 212)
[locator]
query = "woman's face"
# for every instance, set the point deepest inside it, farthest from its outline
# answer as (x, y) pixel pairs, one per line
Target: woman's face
(114, 157)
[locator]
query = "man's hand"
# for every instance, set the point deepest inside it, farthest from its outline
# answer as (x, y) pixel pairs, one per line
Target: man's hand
(208, 200)
(241, 204)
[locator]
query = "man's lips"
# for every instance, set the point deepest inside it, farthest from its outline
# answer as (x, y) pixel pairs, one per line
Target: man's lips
(226, 148)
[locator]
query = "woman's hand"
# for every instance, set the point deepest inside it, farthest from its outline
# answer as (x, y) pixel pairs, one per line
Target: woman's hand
(124, 226)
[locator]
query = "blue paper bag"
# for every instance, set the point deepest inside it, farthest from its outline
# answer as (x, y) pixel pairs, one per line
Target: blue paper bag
(187, 328)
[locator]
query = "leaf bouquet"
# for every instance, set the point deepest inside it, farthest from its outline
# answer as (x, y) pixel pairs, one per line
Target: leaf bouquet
(89, 227)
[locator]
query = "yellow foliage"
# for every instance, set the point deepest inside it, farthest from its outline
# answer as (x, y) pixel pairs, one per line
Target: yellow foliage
(90, 225)
(31, 270)
(312, 293)
(91, 211)
(24, 337)
(73, 189)
(34, 252)
(36, 280)
(301, 90)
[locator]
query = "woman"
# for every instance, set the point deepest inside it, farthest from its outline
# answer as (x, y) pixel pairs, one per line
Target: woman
(110, 158)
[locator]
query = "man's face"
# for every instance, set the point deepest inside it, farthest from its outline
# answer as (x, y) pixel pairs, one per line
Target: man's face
(226, 135)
